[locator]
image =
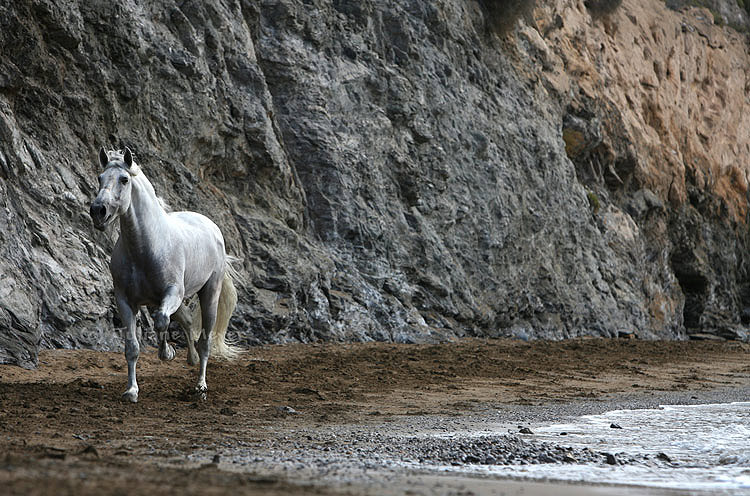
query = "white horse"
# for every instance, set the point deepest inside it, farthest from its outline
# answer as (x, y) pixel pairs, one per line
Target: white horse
(159, 260)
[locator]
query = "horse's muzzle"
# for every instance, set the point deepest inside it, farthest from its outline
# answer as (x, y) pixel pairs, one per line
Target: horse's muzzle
(99, 215)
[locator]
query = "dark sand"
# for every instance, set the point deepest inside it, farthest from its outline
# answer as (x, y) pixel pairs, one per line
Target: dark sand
(287, 419)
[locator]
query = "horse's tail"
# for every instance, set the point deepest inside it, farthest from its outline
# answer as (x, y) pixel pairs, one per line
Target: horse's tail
(220, 348)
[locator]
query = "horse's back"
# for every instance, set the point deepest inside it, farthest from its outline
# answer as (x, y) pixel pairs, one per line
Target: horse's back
(193, 224)
(195, 220)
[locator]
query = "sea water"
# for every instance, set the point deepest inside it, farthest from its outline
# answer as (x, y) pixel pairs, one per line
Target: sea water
(707, 448)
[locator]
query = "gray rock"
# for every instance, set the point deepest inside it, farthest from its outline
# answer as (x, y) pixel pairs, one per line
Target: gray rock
(384, 170)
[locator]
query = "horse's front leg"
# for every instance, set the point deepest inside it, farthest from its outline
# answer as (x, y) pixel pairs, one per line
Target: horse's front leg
(169, 304)
(132, 349)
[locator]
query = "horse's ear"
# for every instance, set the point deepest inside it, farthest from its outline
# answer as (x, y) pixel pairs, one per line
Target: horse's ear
(103, 157)
(128, 158)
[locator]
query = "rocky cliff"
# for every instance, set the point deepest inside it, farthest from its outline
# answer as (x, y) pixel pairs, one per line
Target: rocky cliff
(394, 170)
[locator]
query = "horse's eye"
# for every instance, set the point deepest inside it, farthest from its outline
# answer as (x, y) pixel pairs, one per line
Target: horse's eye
(124, 180)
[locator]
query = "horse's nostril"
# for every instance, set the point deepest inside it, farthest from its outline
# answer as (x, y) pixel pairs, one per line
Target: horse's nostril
(98, 210)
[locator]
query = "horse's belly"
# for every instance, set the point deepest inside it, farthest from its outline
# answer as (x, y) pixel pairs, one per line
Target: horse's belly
(193, 285)
(204, 258)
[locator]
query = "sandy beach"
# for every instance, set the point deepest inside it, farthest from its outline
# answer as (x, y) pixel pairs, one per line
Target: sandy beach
(330, 419)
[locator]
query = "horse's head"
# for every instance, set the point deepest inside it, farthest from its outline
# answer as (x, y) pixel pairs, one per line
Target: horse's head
(115, 186)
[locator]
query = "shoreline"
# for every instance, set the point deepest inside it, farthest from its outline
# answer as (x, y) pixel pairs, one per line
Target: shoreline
(490, 486)
(352, 477)
(327, 419)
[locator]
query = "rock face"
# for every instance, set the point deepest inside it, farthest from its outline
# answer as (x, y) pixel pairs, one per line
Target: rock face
(662, 101)
(384, 170)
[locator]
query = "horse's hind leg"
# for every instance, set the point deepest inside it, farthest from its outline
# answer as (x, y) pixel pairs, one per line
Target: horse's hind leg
(132, 349)
(209, 300)
(183, 317)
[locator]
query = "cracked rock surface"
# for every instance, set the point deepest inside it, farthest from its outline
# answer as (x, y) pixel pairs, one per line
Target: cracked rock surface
(391, 171)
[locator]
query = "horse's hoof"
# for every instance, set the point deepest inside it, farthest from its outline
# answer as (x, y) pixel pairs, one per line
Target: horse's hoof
(192, 358)
(130, 396)
(166, 352)
(201, 393)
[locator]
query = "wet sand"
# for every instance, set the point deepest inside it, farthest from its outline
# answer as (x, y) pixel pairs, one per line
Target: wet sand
(307, 419)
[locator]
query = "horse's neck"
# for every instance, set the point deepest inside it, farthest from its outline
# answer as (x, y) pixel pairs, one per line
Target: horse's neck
(145, 222)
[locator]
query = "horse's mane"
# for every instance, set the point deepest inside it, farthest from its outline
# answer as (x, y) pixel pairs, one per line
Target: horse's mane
(135, 170)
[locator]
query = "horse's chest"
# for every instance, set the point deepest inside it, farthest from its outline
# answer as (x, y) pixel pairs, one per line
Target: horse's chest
(142, 284)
